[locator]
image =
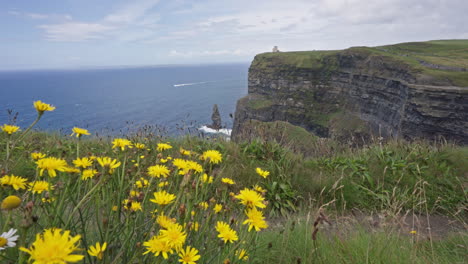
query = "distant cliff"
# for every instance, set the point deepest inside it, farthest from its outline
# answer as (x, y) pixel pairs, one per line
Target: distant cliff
(409, 90)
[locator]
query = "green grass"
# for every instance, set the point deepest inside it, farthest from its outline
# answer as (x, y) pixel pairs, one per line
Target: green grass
(406, 56)
(293, 243)
(390, 178)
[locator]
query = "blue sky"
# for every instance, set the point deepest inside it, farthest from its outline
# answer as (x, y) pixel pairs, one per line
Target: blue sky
(95, 33)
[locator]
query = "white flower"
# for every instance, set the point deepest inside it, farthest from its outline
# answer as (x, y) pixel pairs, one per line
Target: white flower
(8, 239)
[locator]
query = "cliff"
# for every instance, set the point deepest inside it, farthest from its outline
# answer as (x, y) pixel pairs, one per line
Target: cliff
(409, 90)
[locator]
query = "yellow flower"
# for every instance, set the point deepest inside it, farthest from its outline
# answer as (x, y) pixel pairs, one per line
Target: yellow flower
(255, 219)
(195, 226)
(83, 162)
(109, 163)
(163, 184)
(47, 200)
(163, 198)
(228, 181)
(37, 155)
(71, 169)
(88, 174)
(9, 129)
(11, 202)
(54, 247)
(39, 186)
(141, 183)
(189, 255)
(98, 250)
(203, 205)
(132, 205)
(140, 145)
(158, 171)
(207, 179)
(242, 254)
(225, 232)
(79, 132)
(218, 208)
(259, 189)
(165, 221)
(212, 155)
(158, 246)
(121, 143)
(174, 235)
(185, 152)
(413, 232)
(14, 181)
(42, 107)
(251, 198)
(51, 165)
(163, 146)
(262, 173)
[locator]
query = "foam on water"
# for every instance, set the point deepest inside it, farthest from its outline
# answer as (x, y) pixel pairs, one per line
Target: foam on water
(225, 131)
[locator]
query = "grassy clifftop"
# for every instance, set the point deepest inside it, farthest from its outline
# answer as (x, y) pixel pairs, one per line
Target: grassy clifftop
(445, 60)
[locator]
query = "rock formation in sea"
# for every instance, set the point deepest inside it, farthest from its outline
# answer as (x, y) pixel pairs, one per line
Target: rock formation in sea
(215, 118)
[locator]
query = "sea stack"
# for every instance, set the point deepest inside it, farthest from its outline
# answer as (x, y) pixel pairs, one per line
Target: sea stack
(216, 118)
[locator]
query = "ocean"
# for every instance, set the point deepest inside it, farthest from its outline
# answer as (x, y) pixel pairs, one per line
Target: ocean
(174, 99)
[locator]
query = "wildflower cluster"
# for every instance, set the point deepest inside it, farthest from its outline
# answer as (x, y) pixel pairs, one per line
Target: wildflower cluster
(130, 199)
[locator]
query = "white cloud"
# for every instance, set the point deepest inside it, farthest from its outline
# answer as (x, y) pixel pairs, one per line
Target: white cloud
(75, 31)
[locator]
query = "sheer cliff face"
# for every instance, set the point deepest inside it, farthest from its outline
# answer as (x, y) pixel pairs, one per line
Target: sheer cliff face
(353, 93)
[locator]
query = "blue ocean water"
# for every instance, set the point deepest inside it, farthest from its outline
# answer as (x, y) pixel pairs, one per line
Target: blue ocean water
(111, 101)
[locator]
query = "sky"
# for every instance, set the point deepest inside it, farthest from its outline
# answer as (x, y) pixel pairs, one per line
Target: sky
(45, 34)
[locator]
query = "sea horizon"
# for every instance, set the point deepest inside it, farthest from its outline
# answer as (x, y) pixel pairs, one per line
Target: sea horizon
(110, 100)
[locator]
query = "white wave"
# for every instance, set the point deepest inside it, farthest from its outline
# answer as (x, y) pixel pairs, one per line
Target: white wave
(188, 84)
(206, 129)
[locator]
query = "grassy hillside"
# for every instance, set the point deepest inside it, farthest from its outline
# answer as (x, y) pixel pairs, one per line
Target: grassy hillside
(147, 198)
(417, 55)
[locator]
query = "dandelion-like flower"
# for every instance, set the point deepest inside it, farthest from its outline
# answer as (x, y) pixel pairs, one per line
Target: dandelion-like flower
(207, 179)
(9, 129)
(51, 165)
(165, 221)
(158, 246)
(42, 107)
(251, 198)
(185, 152)
(158, 171)
(242, 254)
(203, 205)
(14, 181)
(225, 232)
(132, 205)
(11, 202)
(262, 173)
(83, 162)
(141, 183)
(108, 163)
(37, 155)
(163, 146)
(139, 145)
(213, 156)
(163, 198)
(121, 143)
(98, 250)
(228, 181)
(259, 189)
(255, 219)
(8, 239)
(174, 235)
(39, 186)
(189, 255)
(79, 132)
(218, 208)
(53, 246)
(88, 174)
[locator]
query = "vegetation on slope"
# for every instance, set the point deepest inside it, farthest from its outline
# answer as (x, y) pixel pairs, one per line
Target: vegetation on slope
(120, 206)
